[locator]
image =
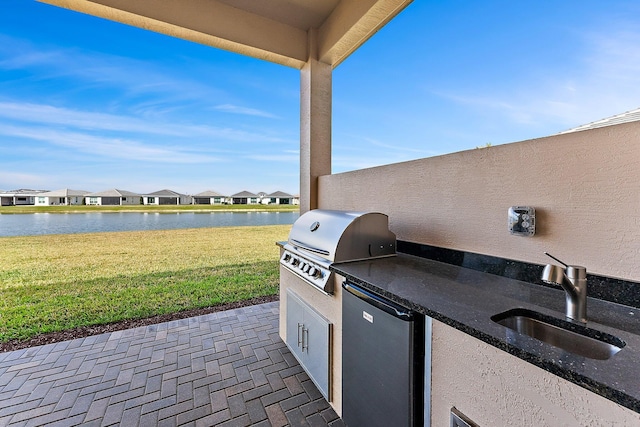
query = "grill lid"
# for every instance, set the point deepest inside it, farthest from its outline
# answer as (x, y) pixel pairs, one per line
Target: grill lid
(342, 235)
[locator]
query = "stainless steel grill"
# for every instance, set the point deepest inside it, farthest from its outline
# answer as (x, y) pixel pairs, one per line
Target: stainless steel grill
(320, 238)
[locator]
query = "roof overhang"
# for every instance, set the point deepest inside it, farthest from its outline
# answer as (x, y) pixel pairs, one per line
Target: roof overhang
(273, 30)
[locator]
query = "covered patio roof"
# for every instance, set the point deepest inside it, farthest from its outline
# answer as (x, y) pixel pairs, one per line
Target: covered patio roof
(273, 30)
(313, 36)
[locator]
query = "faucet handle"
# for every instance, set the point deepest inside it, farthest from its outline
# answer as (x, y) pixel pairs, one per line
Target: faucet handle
(573, 271)
(556, 259)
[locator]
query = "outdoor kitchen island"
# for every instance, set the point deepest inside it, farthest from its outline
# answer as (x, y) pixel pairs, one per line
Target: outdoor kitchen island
(311, 295)
(492, 379)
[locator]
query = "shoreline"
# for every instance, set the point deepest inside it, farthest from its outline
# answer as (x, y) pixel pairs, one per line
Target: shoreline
(80, 209)
(108, 221)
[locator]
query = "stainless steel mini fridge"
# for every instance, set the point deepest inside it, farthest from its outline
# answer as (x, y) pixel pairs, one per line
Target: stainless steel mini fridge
(382, 361)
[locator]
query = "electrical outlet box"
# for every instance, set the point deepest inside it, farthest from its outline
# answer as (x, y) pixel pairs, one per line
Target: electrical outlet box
(522, 220)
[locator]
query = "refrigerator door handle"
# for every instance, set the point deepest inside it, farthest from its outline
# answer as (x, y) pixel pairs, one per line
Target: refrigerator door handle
(386, 306)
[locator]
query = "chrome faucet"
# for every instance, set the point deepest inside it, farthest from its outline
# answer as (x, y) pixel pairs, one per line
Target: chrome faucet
(574, 283)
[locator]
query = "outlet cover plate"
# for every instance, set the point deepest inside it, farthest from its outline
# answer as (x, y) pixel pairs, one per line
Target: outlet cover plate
(522, 221)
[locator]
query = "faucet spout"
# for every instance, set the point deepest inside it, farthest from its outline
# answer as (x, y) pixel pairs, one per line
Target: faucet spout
(574, 283)
(554, 274)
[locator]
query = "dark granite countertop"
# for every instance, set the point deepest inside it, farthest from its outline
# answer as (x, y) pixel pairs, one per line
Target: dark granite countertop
(466, 299)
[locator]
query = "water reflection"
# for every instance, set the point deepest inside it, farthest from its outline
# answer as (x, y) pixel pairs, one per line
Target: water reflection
(91, 222)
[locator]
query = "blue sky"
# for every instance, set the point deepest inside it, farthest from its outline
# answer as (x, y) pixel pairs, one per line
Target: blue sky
(90, 104)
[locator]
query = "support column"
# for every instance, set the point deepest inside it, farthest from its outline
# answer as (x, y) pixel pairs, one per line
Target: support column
(315, 125)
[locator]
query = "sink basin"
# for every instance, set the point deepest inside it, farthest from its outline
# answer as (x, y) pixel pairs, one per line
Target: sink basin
(571, 337)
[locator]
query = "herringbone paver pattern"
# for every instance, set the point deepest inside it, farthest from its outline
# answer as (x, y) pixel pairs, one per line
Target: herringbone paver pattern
(223, 369)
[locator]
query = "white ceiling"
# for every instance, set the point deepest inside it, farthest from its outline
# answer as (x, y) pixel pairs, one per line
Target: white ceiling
(279, 31)
(301, 14)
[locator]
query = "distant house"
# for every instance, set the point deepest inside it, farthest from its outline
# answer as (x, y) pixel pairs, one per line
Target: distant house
(113, 197)
(166, 197)
(281, 198)
(19, 197)
(245, 198)
(626, 117)
(209, 198)
(61, 197)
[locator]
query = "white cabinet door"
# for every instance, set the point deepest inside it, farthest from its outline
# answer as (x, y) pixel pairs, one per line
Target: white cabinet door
(295, 324)
(309, 339)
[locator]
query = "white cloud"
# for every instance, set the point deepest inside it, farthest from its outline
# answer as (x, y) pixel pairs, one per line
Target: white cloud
(50, 115)
(288, 158)
(134, 76)
(105, 147)
(601, 82)
(47, 114)
(234, 109)
(26, 180)
(148, 88)
(366, 152)
(615, 55)
(398, 149)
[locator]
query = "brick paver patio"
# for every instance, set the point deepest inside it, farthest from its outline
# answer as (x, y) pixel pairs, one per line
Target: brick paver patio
(222, 369)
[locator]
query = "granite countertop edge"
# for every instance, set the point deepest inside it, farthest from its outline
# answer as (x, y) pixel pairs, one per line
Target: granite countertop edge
(542, 355)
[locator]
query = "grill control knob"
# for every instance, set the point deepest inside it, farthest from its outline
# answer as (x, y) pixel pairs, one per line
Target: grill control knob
(295, 262)
(287, 257)
(313, 272)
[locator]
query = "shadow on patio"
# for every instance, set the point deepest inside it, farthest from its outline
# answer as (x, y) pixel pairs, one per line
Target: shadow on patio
(227, 368)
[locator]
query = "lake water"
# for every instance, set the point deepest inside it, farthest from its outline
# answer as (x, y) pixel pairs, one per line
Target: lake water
(54, 223)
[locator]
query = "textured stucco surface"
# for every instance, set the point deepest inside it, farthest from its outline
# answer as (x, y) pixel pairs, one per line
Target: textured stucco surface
(315, 130)
(493, 388)
(585, 187)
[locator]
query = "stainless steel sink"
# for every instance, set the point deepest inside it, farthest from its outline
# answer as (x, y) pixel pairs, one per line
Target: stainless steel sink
(571, 337)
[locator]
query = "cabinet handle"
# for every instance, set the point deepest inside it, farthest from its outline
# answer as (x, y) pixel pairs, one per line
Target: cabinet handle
(300, 335)
(305, 343)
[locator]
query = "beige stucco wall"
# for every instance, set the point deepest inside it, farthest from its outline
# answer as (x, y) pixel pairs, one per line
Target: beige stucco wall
(315, 129)
(494, 388)
(585, 187)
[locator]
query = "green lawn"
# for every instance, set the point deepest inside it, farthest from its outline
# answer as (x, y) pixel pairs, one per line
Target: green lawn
(58, 282)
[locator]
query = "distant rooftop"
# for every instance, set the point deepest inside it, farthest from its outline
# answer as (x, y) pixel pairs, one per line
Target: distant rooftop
(65, 192)
(114, 193)
(165, 193)
(280, 194)
(24, 191)
(209, 193)
(629, 116)
(244, 194)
